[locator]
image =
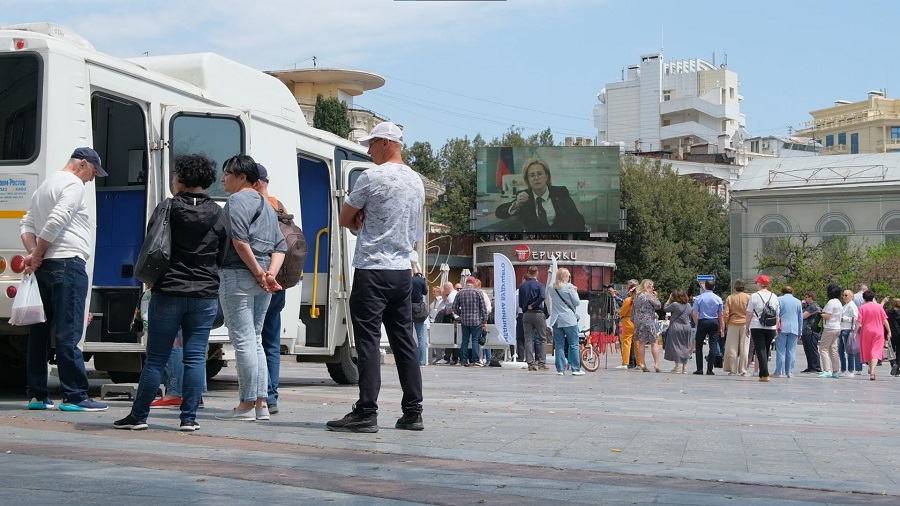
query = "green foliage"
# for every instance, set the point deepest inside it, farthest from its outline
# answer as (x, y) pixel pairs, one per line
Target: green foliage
(331, 115)
(806, 267)
(420, 157)
(676, 228)
(881, 267)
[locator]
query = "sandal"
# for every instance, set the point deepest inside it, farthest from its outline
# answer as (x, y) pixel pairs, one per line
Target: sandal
(644, 368)
(656, 367)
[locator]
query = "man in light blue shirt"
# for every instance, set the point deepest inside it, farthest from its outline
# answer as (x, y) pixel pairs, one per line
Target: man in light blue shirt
(709, 319)
(790, 322)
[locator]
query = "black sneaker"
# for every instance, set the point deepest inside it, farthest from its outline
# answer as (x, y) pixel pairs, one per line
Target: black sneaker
(410, 421)
(354, 422)
(710, 373)
(189, 426)
(130, 423)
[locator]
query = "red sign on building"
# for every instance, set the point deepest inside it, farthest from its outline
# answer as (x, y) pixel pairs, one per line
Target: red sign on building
(523, 252)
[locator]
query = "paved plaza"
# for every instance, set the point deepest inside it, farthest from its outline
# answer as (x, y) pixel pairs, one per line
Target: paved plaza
(492, 436)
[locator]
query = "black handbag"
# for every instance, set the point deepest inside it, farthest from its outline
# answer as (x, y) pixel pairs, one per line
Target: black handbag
(156, 252)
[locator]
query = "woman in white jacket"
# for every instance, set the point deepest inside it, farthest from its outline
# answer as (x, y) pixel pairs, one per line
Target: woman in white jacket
(564, 322)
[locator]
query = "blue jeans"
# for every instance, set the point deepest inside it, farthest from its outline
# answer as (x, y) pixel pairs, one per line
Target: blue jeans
(566, 339)
(850, 362)
(244, 305)
(175, 369)
(423, 342)
(472, 332)
(168, 313)
(785, 353)
(63, 283)
(271, 342)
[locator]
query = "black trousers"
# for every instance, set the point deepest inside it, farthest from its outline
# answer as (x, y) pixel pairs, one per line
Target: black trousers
(762, 341)
(383, 296)
(707, 327)
(811, 350)
(520, 339)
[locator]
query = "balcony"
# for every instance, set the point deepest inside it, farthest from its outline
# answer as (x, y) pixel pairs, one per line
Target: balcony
(837, 149)
(888, 145)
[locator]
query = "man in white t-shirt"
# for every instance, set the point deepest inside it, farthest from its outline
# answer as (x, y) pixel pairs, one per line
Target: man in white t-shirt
(384, 206)
(58, 234)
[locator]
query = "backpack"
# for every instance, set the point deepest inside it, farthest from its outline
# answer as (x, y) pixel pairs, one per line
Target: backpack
(291, 271)
(768, 317)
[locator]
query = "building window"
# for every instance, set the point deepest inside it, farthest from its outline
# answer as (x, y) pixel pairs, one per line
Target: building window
(725, 125)
(829, 140)
(854, 144)
(895, 132)
(771, 227)
(667, 95)
(731, 92)
(890, 225)
(842, 139)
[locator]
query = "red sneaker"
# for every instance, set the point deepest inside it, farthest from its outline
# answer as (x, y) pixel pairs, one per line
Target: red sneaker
(174, 402)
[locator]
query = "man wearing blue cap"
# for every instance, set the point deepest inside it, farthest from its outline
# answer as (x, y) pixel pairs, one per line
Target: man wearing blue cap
(57, 233)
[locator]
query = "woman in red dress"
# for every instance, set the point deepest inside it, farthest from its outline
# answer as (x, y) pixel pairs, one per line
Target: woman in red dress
(872, 326)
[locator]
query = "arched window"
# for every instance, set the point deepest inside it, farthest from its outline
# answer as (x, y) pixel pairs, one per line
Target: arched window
(771, 227)
(892, 229)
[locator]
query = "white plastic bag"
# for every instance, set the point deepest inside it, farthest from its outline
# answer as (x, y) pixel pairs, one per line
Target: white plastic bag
(27, 307)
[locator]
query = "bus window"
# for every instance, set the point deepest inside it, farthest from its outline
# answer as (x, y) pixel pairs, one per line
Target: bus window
(120, 138)
(20, 89)
(219, 137)
(341, 154)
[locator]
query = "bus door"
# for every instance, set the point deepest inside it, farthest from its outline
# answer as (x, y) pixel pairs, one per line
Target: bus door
(217, 132)
(349, 173)
(120, 137)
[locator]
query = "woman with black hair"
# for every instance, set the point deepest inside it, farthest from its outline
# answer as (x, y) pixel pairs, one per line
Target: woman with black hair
(828, 344)
(185, 296)
(252, 259)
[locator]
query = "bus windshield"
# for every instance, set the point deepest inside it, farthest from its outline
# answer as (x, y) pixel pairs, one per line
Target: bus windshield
(20, 88)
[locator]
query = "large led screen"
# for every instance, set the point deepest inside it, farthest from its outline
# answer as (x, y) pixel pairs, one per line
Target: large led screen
(547, 190)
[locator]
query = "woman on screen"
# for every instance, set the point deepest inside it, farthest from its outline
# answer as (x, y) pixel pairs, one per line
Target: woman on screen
(542, 207)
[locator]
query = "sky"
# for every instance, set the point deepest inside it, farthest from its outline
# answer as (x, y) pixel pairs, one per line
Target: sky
(459, 68)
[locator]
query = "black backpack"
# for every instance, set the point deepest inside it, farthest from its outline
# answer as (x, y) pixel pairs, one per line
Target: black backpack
(291, 271)
(768, 317)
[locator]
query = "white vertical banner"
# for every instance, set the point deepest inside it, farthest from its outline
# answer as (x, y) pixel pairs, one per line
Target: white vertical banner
(505, 298)
(551, 273)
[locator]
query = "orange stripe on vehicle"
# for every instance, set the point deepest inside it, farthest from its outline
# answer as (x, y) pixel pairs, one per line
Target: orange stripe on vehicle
(12, 214)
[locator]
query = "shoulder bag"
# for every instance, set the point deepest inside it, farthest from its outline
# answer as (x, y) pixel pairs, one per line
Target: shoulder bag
(156, 252)
(577, 318)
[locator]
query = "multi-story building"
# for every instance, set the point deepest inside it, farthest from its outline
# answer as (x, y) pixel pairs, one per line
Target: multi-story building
(343, 84)
(777, 146)
(669, 105)
(868, 126)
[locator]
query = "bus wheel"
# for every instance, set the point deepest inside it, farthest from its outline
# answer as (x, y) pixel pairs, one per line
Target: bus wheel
(345, 371)
(213, 367)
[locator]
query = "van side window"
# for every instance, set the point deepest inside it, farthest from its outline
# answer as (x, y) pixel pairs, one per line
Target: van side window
(219, 137)
(20, 92)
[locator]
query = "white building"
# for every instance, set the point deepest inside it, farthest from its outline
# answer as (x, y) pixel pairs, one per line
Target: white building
(856, 196)
(778, 146)
(661, 106)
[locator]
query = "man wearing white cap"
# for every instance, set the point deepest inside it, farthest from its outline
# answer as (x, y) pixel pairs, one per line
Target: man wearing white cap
(384, 206)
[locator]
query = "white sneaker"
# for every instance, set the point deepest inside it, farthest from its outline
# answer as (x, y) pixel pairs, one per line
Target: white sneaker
(850, 375)
(560, 373)
(621, 367)
(578, 373)
(442, 362)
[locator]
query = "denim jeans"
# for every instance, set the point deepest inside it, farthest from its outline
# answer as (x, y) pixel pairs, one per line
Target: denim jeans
(63, 283)
(423, 342)
(785, 353)
(850, 362)
(167, 313)
(271, 342)
(466, 355)
(566, 339)
(244, 305)
(174, 376)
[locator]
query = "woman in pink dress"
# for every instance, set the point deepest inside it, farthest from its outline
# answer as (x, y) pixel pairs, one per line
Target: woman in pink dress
(873, 324)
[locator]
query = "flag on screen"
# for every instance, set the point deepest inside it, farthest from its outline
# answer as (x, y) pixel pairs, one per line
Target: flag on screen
(505, 298)
(504, 166)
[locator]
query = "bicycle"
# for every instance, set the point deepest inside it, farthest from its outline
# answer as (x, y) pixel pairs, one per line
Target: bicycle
(590, 350)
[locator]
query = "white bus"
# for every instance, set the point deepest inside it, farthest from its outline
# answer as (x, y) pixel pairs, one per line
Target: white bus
(57, 93)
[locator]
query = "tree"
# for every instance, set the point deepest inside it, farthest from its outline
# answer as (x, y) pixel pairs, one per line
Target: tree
(676, 228)
(796, 261)
(420, 158)
(457, 162)
(331, 115)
